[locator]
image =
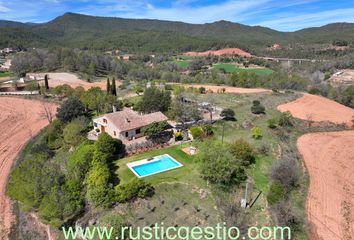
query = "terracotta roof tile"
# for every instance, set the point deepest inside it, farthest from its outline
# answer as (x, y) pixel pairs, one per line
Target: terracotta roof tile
(128, 119)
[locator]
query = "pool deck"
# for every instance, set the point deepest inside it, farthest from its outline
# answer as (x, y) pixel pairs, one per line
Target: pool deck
(149, 160)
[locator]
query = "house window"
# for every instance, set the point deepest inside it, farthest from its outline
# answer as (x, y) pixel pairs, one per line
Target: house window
(114, 133)
(95, 124)
(105, 120)
(138, 131)
(126, 134)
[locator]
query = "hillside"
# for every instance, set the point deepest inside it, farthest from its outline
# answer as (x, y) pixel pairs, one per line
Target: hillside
(142, 35)
(12, 24)
(324, 34)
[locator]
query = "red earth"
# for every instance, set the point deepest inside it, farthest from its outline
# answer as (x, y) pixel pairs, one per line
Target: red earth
(329, 159)
(318, 109)
(20, 120)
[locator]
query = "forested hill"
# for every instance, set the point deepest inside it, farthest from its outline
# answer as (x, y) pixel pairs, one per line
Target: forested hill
(76, 30)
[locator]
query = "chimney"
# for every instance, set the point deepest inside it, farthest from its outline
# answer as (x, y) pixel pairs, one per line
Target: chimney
(127, 120)
(114, 108)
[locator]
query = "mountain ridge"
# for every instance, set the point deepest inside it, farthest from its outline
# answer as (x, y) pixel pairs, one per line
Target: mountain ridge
(85, 31)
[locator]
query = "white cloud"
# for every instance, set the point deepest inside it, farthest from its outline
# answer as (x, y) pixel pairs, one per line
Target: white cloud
(300, 21)
(3, 8)
(229, 10)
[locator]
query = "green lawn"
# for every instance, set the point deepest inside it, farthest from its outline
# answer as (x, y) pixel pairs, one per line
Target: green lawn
(232, 68)
(5, 74)
(186, 174)
(182, 63)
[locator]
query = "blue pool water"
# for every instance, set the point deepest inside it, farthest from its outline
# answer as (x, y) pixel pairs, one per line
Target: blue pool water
(164, 163)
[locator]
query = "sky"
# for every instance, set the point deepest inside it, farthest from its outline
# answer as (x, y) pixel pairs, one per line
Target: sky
(282, 15)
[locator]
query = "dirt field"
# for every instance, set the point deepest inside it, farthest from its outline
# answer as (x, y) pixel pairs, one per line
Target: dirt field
(329, 158)
(227, 89)
(345, 76)
(20, 119)
(224, 51)
(56, 79)
(316, 108)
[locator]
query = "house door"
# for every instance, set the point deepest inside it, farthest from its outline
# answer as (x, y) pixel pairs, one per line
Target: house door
(103, 129)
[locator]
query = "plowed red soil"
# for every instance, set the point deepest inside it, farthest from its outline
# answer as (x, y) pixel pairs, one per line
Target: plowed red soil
(228, 89)
(329, 158)
(224, 51)
(316, 108)
(20, 120)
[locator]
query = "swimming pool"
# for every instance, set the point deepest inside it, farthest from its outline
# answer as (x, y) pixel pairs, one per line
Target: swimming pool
(151, 166)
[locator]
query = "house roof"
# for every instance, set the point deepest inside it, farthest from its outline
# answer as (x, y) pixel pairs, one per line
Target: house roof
(127, 119)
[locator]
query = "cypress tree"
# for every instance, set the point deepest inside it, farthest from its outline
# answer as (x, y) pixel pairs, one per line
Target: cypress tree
(39, 89)
(113, 87)
(108, 86)
(46, 82)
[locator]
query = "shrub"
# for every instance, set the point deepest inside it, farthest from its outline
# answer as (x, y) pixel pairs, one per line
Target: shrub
(286, 119)
(284, 215)
(228, 114)
(243, 151)
(202, 90)
(178, 136)
(116, 222)
(196, 132)
(257, 107)
(99, 188)
(49, 209)
(256, 133)
(263, 149)
(75, 130)
(272, 123)
(314, 91)
(136, 188)
(207, 130)
(219, 166)
(276, 193)
(287, 171)
(79, 162)
(55, 135)
(111, 147)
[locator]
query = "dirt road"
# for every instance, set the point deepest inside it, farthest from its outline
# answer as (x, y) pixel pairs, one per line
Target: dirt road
(317, 108)
(20, 119)
(228, 89)
(329, 158)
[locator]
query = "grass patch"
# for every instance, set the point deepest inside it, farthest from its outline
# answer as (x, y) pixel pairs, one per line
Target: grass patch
(174, 204)
(6, 74)
(186, 174)
(181, 63)
(232, 68)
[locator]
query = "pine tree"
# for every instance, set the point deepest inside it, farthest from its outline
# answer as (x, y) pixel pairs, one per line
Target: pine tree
(46, 82)
(113, 87)
(108, 86)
